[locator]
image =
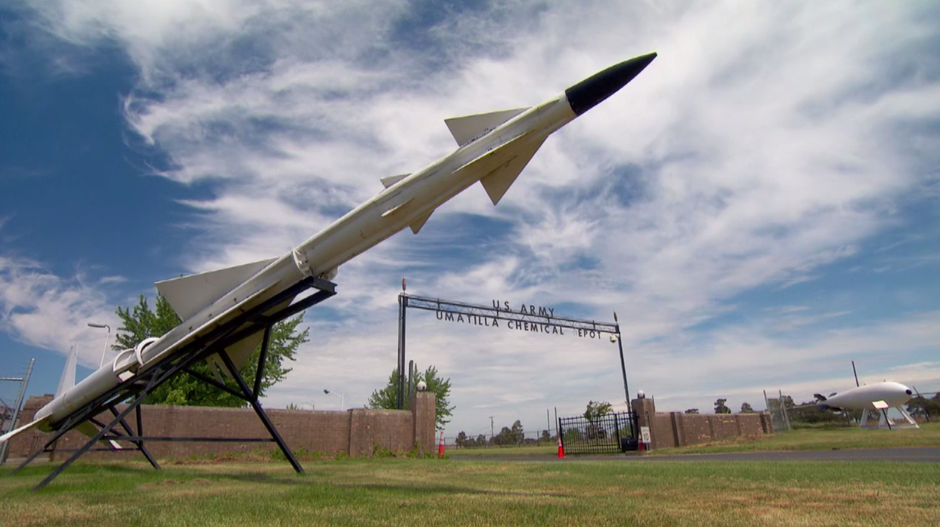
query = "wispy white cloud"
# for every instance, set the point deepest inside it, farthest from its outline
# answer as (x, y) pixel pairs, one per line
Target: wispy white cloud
(45, 310)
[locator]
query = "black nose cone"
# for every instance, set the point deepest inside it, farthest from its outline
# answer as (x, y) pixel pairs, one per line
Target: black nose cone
(908, 392)
(588, 93)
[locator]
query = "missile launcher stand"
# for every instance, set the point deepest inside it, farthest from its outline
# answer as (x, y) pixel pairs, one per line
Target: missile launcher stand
(137, 388)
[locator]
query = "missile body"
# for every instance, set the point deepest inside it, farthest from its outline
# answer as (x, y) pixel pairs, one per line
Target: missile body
(863, 398)
(493, 149)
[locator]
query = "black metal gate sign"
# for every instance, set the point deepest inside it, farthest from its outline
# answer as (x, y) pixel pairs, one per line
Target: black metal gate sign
(606, 434)
(501, 316)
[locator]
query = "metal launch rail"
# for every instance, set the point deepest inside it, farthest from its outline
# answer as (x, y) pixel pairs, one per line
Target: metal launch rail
(137, 388)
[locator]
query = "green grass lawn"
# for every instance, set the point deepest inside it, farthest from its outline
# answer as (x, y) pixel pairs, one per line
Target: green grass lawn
(404, 492)
(820, 439)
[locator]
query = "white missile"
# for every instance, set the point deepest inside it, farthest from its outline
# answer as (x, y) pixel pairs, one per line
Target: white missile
(877, 397)
(493, 148)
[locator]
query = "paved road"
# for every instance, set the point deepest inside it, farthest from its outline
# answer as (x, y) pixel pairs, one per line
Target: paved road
(919, 454)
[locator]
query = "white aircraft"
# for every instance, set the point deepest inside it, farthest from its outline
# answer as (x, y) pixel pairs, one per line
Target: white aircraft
(876, 397)
(493, 148)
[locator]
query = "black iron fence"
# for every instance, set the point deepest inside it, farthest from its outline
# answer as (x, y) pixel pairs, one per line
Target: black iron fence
(607, 434)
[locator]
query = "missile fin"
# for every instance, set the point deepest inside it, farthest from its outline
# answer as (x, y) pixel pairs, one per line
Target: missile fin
(469, 127)
(388, 181)
(416, 226)
(241, 350)
(189, 294)
(498, 182)
(396, 208)
(13, 433)
(67, 381)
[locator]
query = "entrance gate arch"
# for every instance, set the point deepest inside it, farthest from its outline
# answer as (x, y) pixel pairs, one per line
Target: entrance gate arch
(527, 318)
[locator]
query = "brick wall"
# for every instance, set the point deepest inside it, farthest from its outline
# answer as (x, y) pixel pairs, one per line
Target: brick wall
(355, 432)
(672, 429)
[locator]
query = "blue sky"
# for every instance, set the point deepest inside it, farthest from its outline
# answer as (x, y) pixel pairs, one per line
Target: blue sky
(760, 206)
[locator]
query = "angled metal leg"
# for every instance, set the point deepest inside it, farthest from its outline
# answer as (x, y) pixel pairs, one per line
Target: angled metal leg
(140, 444)
(261, 415)
(107, 428)
(61, 432)
(265, 341)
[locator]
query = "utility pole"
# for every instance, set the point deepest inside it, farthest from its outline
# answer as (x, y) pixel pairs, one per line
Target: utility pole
(491, 429)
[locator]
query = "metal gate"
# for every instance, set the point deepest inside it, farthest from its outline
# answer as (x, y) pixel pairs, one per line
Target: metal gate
(608, 434)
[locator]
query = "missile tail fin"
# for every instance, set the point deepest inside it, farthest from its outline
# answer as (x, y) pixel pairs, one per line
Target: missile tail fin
(417, 224)
(388, 181)
(469, 127)
(497, 182)
(13, 433)
(189, 294)
(241, 350)
(67, 381)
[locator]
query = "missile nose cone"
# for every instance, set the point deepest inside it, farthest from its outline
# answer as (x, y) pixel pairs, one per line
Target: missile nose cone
(591, 91)
(908, 391)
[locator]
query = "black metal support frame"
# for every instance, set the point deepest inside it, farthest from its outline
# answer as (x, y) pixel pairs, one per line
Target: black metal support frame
(138, 387)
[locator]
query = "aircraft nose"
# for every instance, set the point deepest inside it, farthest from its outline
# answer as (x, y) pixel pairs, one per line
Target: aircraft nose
(908, 391)
(591, 91)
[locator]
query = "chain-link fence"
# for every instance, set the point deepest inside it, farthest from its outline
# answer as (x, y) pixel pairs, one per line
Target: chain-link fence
(777, 408)
(12, 394)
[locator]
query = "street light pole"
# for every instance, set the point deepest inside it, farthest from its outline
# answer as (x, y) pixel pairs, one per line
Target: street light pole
(342, 399)
(107, 339)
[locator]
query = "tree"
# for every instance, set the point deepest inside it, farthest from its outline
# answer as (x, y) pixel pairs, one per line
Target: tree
(140, 322)
(481, 440)
(720, 407)
(387, 398)
(746, 408)
(692, 411)
(518, 435)
(546, 437)
(461, 440)
(596, 409)
(920, 406)
(504, 437)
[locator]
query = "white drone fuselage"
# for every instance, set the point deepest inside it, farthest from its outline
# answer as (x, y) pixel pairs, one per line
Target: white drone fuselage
(864, 397)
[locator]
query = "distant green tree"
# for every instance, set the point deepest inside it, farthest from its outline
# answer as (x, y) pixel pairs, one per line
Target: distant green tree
(461, 440)
(387, 397)
(141, 322)
(597, 409)
(504, 437)
(922, 407)
(480, 441)
(546, 437)
(518, 434)
(692, 411)
(720, 407)
(746, 408)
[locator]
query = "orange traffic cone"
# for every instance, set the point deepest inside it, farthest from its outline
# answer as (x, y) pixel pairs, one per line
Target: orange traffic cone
(440, 448)
(561, 450)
